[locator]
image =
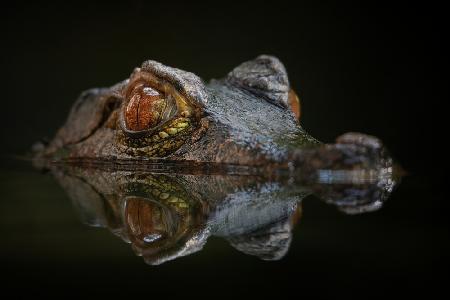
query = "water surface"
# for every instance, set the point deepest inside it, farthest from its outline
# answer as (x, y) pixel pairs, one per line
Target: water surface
(86, 230)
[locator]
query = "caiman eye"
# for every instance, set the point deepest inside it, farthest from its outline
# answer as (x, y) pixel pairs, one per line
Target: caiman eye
(151, 102)
(160, 111)
(145, 108)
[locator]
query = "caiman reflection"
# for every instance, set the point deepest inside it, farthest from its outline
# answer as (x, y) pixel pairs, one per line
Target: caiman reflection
(166, 216)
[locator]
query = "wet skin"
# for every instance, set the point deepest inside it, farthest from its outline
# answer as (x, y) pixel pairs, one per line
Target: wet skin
(249, 118)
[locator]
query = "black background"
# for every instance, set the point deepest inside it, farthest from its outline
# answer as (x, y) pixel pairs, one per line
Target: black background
(374, 68)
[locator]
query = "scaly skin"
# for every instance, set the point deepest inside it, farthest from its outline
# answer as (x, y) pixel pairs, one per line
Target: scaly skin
(243, 119)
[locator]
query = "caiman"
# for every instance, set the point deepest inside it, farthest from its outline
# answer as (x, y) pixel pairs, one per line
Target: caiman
(249, 118)
(165, 161)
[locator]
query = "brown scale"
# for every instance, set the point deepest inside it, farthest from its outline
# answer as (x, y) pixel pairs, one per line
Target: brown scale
(144, 109)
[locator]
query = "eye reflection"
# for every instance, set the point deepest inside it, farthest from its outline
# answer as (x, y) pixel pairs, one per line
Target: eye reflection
(165, 217)
(152, 237)
(147, 221)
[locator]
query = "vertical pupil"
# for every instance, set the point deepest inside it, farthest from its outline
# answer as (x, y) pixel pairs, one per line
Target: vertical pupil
(144, 109)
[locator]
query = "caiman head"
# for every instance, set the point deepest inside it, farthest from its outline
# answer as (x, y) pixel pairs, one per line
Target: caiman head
(250, 117)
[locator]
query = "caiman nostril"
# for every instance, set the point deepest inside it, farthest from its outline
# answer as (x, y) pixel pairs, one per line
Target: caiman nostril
(144, 108)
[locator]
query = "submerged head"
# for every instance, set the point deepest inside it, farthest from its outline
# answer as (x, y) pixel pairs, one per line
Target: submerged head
(250, 117)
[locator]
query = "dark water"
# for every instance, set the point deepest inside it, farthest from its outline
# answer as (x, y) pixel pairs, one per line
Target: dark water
(46, 246)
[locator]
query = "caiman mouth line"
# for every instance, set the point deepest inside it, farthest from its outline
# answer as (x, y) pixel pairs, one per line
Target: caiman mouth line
(165, 166)
(278, 171)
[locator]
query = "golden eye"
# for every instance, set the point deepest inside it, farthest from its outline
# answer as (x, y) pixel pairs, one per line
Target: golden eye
(145, 108)
(150, 103)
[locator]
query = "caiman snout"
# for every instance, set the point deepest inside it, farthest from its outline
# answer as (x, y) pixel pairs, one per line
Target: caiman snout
(354, 156)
